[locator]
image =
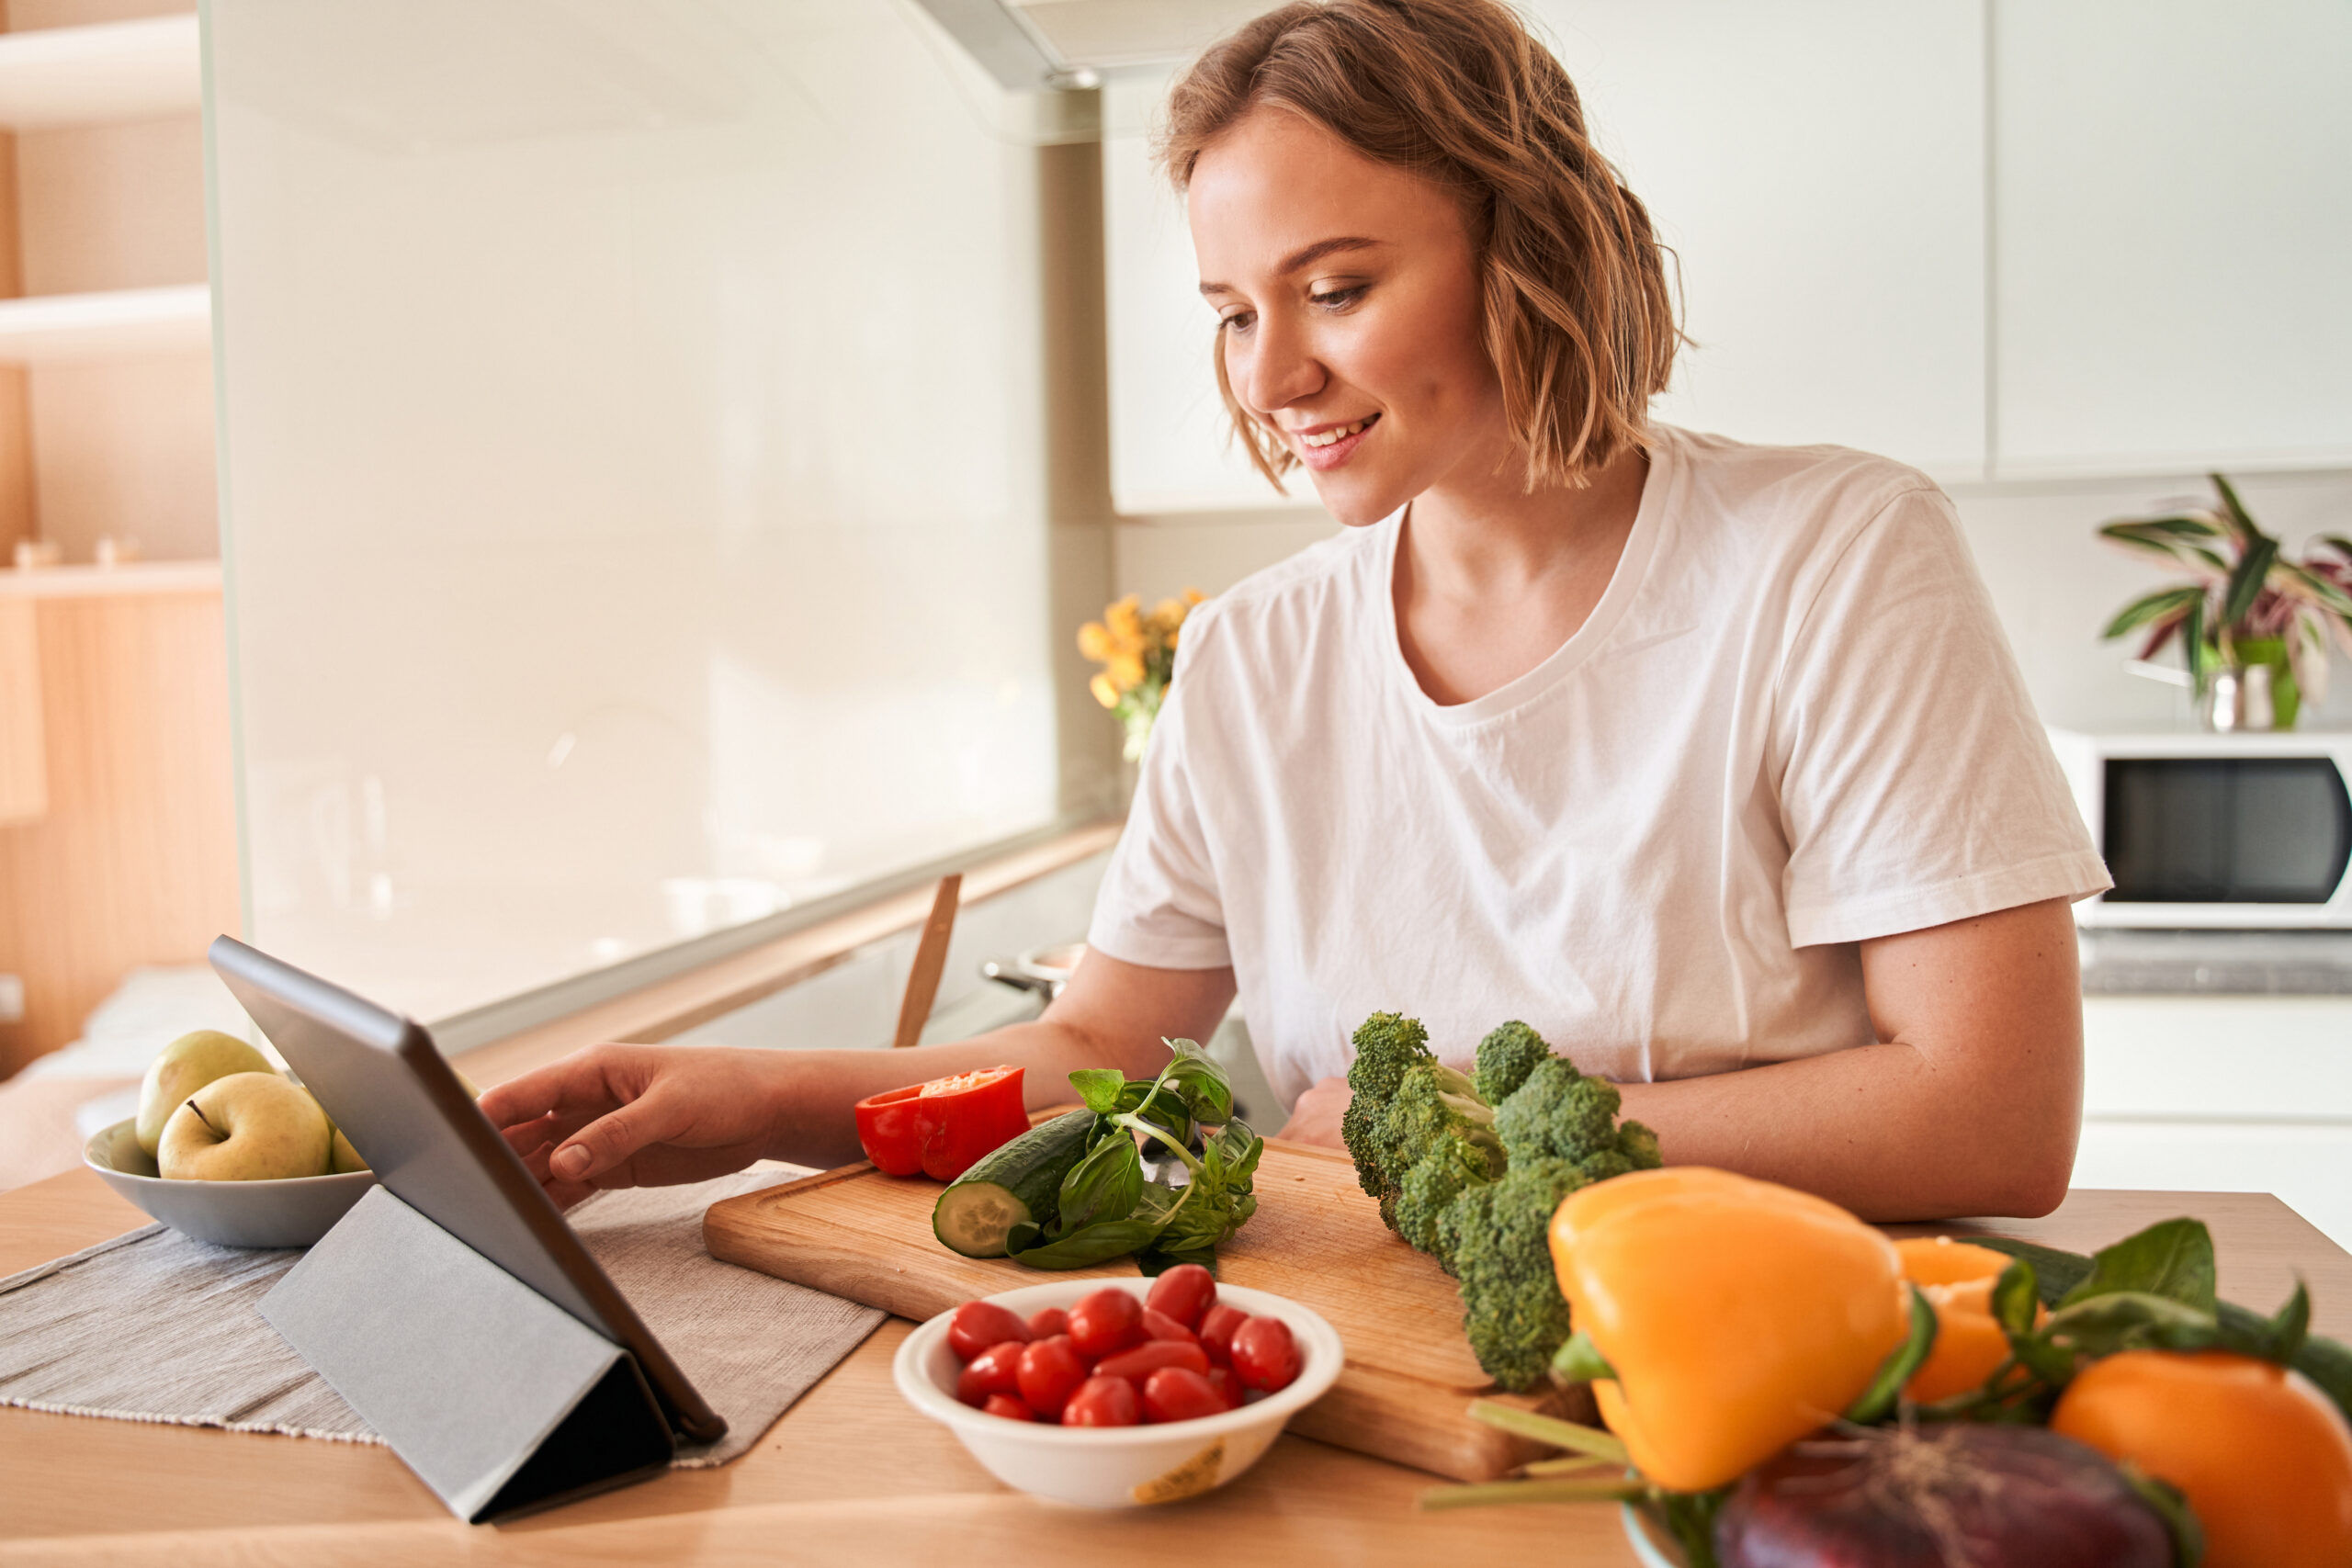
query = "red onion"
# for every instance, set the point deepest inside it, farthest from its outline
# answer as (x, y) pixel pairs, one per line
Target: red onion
(1939, 1497)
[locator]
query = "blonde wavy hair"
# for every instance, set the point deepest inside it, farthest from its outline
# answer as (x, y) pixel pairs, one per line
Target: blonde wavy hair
(1578, 318)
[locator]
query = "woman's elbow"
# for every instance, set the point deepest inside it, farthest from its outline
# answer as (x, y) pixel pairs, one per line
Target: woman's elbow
(2033, 1167)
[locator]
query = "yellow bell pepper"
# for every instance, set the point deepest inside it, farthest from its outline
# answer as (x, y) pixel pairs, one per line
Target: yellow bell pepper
(1958, 1280)
(1737, 1315)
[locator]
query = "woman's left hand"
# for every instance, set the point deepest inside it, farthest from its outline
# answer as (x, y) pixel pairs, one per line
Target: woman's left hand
(1315, 1118)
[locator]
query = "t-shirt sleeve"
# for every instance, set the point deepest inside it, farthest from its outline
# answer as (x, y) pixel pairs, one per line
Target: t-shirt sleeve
(1158, 903)
(1917, 785)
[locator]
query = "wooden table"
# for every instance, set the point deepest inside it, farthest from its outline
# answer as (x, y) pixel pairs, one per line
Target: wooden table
(850, 1475)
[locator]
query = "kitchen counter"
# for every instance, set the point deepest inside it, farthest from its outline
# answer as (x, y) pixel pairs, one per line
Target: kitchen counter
(850, 1475)
(2120, 961)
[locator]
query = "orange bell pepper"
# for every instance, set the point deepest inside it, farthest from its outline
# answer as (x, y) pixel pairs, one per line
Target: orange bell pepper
(1737, 1315)
(1957, 1279)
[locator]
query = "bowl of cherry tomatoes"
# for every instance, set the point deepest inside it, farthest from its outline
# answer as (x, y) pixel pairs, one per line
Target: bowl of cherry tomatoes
(1110, 1394)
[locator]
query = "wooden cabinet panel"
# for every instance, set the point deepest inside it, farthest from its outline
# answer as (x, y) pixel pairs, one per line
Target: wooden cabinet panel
(24, 768)
(135, 860)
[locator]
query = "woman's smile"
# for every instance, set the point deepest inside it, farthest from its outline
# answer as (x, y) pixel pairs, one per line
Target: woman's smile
(1325, 446)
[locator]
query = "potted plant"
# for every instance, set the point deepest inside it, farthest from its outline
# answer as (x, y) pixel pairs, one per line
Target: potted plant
(1137, 651)
(2248, 605)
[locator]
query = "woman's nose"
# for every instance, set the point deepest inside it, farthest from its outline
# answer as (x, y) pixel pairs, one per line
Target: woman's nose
(1278, 367)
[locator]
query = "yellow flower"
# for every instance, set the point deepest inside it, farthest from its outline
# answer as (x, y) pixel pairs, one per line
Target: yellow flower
(1126, 671)
(1193, 596)
(1104, 692)
(1124, 620)
(1095, 641)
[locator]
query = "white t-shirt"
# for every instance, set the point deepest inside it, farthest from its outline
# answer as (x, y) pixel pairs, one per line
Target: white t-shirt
(1791, 723)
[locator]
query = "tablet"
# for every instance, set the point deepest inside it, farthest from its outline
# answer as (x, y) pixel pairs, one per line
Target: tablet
(380, 1076)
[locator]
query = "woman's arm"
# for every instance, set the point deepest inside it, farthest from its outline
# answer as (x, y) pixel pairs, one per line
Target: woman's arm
(1971, 1104)
(648, 1115)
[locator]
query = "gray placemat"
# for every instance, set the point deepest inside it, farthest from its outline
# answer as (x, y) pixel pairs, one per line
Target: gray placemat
(154, 1327)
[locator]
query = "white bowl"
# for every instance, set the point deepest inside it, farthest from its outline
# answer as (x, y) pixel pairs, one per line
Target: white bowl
(295, 1211)
(1118, 1467)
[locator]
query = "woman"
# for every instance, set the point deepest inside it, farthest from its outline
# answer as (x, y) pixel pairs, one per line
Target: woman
(1709, 761)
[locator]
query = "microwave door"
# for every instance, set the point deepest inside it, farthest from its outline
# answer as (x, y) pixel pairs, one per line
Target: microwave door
(2226, 830)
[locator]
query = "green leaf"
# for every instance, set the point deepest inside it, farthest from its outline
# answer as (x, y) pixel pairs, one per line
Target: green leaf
(1579, 1361)
(1100, 1087)
(2055, 1272)
(2247, 581)
(1573, 1435)
(2173, 1258)
(1690, 1518)
(1088, 1245)
(2192, 631)
(2013, 1299)
(2117, 1321)
(2275, 1338)
(1104, 1185)
(2166, 1499)
(1198, 1082)
(2164, 603)
(2241, 520)
(1154, 1261)
(1878, 1400)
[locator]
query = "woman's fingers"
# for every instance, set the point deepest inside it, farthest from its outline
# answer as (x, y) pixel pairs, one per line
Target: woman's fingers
(611, 1139)
(586, 1083)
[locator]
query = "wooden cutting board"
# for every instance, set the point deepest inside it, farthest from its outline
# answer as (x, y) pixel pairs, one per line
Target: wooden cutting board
(1316, 1239)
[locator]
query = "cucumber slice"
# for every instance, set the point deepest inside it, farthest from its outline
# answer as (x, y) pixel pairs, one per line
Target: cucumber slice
(1019, 1182)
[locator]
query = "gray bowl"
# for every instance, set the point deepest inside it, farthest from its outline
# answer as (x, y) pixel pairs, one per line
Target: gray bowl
(292, 1213)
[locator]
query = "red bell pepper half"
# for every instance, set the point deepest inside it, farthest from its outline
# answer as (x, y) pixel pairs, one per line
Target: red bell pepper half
(942, 1128)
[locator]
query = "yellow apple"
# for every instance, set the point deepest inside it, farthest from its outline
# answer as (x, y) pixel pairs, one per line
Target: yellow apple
(184, 1066)
(246, 1127)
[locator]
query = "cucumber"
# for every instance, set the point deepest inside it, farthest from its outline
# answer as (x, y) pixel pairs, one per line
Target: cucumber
(1023, 1180)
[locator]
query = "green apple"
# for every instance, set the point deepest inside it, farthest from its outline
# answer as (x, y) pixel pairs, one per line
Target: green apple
(246, 1127)
(184, 1066)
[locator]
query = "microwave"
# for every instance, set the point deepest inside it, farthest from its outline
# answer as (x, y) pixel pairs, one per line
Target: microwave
(2244, 829)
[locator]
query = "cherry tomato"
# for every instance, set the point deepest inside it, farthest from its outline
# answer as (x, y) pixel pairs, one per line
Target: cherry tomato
(1008, 1407)
(1104, 1323)
(1184, 1292)
(1046, 1321)
(1221, 1379)
(1157, 1325)
(1177, 1394)
(1264, 1355)
(978, 1324)
(1148, 1357)
(1216, 1332)
(1050, 1372)
(1102, 1401)
(994, 1370)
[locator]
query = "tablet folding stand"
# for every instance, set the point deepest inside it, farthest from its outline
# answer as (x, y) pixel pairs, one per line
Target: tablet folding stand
(498, 1399)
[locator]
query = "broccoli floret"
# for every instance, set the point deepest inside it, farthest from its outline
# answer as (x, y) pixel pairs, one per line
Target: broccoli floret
(1512, 1309)
(1386, 1045)
(1504, 1058)
(1558, 1113)
(1640, 1146)
(1433, 1106)
(1462, 1157)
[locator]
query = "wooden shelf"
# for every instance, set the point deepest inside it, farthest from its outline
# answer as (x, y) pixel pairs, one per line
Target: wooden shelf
(116, 325)
(113, 71)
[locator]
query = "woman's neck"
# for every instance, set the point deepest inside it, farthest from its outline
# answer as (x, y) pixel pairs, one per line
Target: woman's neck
(1491, 579)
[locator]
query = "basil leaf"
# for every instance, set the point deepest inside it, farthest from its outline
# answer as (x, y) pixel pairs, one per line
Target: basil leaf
(1104, 1185)
(2054, 1273)
(1089, 1245)
(2275, 1338)
(2014, 1298)
(1198, 1082)
(1154, 1262)
(1100, 1088)
(2173, 1258)
(2127, 1320)
(1879, 1399)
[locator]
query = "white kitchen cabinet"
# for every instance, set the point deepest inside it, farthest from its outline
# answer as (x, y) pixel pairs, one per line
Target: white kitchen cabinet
(1817, 168)
(2172, 233)
(1169, 448)
(2231, 1094)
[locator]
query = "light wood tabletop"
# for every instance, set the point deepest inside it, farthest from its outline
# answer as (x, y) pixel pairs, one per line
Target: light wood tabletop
(850, 1475)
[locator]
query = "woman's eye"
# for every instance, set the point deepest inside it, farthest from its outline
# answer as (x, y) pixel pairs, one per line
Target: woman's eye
(1338, 299)
(1237, 323)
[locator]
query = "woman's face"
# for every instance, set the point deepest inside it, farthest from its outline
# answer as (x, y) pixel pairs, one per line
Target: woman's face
(1347, 293)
